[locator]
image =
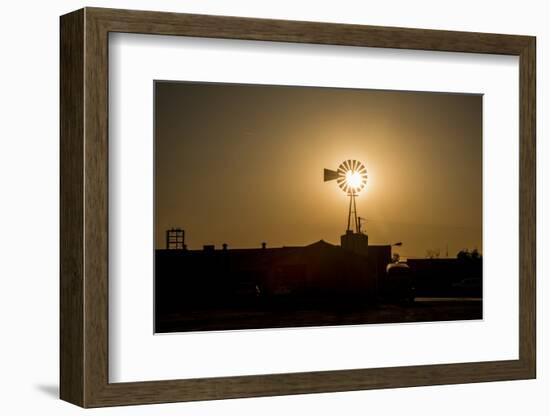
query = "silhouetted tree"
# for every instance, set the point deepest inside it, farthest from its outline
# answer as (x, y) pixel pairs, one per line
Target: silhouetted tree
(463, 254)
(468, 255)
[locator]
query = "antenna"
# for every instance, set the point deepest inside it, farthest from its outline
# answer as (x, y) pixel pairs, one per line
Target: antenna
(360, 221)
(351, 176)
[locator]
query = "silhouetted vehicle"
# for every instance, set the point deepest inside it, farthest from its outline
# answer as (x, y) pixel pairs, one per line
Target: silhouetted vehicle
(399, 283)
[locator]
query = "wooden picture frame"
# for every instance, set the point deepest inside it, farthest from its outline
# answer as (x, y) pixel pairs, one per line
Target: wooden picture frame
(84, 207)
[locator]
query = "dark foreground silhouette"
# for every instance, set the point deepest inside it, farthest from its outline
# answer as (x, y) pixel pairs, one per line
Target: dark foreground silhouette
(316, 285)
(423, 310)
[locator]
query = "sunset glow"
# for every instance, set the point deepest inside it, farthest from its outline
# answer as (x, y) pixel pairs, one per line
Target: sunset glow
(241, 164)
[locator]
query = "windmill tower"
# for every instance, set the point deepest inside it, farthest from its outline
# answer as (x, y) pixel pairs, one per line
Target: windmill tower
(351, 176)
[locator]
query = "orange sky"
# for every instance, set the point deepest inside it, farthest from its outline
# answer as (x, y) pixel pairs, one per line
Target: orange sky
(241, 164)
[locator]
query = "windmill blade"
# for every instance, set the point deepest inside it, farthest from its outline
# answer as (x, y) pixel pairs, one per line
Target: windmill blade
(329, 175)
(342, 183)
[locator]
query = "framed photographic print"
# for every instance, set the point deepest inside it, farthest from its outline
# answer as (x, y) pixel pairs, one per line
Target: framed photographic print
(261, 207)
(240, 165)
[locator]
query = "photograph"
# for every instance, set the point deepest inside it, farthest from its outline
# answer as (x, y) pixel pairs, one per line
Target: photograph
(296, 206)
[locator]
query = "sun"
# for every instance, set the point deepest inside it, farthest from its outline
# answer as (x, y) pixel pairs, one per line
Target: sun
(354, 179)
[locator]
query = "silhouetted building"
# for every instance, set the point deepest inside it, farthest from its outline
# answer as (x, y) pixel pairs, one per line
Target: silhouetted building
(319, 272)
(355, 242)
(447, 276)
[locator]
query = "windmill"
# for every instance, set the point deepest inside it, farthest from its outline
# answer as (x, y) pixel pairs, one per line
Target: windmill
(351, 177)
